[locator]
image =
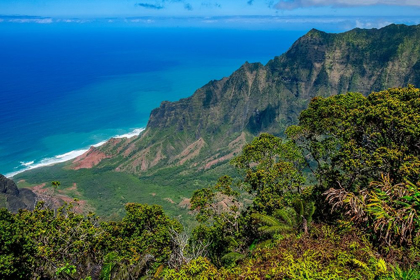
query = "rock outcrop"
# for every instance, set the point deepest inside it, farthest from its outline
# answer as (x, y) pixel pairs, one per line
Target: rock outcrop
(15, 198)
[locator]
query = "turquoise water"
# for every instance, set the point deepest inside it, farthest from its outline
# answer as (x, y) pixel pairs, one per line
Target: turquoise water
(65, 87)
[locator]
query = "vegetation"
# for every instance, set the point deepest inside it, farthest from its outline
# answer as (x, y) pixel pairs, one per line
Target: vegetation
(354, 140)
(187, 144)
(106, 191)
(51, 244)
(338, 199)
(363, 153)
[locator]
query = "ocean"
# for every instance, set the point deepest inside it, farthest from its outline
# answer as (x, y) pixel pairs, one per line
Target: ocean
(65, 87)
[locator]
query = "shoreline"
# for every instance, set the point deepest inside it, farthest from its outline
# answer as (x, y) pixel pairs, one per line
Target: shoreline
(69, 155)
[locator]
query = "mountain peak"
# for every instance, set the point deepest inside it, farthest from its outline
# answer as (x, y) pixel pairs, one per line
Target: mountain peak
(258, 98)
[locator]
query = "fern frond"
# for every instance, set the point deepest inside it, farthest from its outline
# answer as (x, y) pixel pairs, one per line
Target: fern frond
(309, 211)
(359, 263)
(232, 257)
(268, 220)
(381, 266)
(275, 229)
(298, 207)
(282, 215)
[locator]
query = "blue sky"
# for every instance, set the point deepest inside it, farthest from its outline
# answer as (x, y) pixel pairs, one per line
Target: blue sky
(126, 8)
(364, 13)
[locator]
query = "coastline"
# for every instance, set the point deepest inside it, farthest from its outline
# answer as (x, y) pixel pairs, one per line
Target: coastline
(69, 155)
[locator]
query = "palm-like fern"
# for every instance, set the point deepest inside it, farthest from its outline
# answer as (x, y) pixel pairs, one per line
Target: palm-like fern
(117, 268)
(304, 212)
(282, 220)
(278, 223)
(231, 258)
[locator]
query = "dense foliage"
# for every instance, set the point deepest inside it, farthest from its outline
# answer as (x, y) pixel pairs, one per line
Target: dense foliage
(363, 153)
(352, 140)
(49, 244)
(338, 199)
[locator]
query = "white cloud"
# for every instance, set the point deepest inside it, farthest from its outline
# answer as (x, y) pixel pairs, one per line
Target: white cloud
(371, 24)
(74, 20)
(294, 4)
(33, 20)
(139, 20)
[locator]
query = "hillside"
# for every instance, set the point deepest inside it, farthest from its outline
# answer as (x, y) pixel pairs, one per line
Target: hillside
(188, 143)
(213, 124)
(359, 220)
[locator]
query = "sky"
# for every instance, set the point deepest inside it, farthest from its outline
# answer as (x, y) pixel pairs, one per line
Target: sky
(367, 13)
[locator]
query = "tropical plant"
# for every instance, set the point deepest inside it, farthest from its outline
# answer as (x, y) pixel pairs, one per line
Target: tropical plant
(141, 241)
(222, 226)
(401, 274)
(391, 210)
(273, 169)
(17, 251)
(283, 221)
(304, 212)
(49, 244)
(66, 271)
(279, 222)
(63, 239)
(200, 268)
(351, 140)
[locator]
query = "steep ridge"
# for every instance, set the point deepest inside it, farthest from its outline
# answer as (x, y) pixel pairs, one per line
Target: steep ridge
(213, 124)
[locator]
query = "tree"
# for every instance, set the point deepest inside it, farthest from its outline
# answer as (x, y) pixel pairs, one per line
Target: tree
(222, 224)
(141, 241)
(55, 184)
(17, 251)
(350, 140)
(62, 239)
(273, 171)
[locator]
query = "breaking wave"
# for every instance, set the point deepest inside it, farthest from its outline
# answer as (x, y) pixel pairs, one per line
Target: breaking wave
(67, 156)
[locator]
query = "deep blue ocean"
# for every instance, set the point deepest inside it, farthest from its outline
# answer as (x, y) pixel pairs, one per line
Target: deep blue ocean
(65, 87)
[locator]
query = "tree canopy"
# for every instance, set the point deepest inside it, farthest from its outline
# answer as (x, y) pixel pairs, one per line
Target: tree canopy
(356, 217)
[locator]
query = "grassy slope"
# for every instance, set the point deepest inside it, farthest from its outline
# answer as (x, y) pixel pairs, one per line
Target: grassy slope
(343, 62)
(108, 191)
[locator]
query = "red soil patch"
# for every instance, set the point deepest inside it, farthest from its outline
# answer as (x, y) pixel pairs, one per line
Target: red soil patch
(55, 200)
(89, 159)
(169, 200)
(38, 188)
(236, 145)
(192, 151)
(185, 203)
(73, 188)
(216, 161)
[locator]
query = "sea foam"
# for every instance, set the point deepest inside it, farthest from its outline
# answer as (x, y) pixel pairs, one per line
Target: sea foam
(67, 156)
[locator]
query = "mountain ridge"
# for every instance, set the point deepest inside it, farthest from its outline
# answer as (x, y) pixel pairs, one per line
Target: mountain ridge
(187, 144)
(267, 98)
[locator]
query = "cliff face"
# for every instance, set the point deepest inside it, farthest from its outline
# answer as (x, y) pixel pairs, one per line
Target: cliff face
(212, 125)
(14, 199)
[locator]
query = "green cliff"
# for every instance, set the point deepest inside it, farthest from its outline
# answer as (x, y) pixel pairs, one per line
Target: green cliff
(188, 144)
(212, 125)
